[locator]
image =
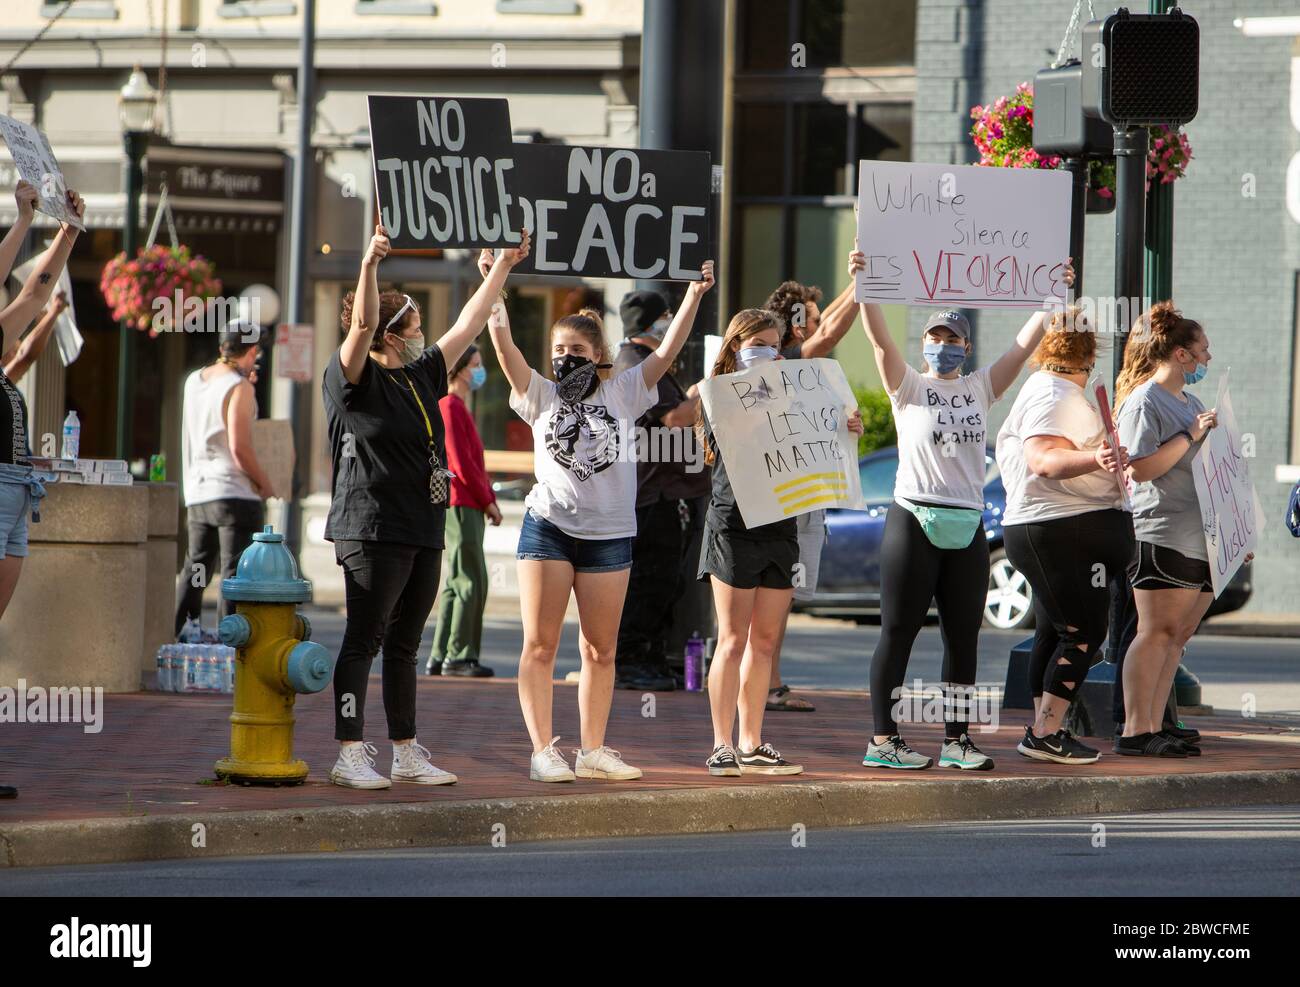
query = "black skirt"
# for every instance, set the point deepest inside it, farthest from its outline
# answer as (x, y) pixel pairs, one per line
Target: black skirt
(741, 560)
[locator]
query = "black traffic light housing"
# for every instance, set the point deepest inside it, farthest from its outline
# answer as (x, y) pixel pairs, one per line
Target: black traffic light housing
(1141, 69)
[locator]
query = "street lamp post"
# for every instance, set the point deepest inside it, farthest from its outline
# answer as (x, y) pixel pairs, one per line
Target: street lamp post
(136, 104)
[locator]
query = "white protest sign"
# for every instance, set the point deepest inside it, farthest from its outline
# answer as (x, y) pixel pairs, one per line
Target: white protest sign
(36, 164)
(273, 447)
(66, 334)
(782, 431)
(962, 236)
(1231, 514)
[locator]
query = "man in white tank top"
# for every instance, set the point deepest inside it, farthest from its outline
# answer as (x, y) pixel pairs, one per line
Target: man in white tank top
(222, 481)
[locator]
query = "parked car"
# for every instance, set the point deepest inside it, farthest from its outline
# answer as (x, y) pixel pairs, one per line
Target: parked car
(849, 583)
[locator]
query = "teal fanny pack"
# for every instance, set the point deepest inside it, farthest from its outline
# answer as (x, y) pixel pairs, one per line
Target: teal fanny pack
(946, 527)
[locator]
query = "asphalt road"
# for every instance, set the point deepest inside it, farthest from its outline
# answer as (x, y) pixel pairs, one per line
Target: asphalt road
(1221, 852)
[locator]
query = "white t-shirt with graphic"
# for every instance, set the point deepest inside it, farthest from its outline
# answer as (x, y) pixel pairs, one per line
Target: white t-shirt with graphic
(586, 471)
(1052, 406)
(942, 432)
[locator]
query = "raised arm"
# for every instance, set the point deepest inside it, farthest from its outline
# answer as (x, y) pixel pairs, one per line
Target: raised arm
(654, 366)
(34, 343)
(837, 320)
(512, 360)
(1003, 373)
(18, 314)
(474, 315)
(365, 309)
(889, 360)
(25, 196)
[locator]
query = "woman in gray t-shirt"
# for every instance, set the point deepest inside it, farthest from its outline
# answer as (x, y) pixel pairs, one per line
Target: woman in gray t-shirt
(1162, 425)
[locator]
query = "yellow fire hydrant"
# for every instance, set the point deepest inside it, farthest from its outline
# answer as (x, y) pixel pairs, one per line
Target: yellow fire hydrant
(275, 660)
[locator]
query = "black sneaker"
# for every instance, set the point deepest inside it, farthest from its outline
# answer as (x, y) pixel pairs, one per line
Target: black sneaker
(1059, 747)
(767, 760)
(469, 668)
(433, 666)
(1186, 746)
(1149, 745)
(1186, 734)
(722, 762)
(643, 679)
(9, 792)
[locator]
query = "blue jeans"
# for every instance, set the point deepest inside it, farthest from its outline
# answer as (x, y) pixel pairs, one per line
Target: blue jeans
(541, 541)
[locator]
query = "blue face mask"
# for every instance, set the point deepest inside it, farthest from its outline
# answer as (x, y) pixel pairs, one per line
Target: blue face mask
(477, 375)
(1197, 375)
(944, 358)
(750, 355)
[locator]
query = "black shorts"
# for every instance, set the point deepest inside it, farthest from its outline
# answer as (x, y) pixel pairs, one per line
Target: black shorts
(1156, 567)
(748, 563)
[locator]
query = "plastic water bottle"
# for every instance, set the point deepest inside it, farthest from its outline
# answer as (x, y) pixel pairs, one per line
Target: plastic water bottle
(187, 663)
(695, 663)
(192, 632)
(72, 436)
(164, 668)
(228, 668)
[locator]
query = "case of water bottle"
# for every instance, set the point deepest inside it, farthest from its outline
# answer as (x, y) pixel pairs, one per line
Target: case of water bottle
(198, 662)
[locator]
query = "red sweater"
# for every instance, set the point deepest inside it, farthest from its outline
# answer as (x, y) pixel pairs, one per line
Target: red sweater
(470, 487)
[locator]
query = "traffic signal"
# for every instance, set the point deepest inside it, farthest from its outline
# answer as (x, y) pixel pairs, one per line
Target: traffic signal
(1142, 69)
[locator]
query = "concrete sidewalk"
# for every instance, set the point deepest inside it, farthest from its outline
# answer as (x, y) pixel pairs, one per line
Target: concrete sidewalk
(142, 788)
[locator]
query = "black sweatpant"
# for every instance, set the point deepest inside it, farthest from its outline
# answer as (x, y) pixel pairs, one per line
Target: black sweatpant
(912, 574)
(219, 531)
(390, 592)
(654, 585)
(1070, 563)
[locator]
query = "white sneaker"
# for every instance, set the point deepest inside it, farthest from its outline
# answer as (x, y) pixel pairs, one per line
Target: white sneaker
(355, 768)
(411, 764)
(604, 762)
(549, 764)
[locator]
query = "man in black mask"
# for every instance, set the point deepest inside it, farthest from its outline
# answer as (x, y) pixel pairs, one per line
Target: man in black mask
(670, 472)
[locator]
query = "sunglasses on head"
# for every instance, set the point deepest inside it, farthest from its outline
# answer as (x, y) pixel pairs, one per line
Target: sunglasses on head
(406, 306)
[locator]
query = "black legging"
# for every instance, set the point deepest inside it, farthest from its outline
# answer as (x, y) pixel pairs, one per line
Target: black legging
(1060, 558)
(390, 591)
(912, 573)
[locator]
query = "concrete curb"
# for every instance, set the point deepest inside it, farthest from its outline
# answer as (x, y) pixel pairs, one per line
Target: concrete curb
(640, 813)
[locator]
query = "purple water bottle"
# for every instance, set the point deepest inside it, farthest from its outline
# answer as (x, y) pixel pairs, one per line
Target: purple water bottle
(695, 663)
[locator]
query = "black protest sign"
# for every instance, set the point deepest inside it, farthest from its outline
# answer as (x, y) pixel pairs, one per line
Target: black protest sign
(444, 171)
(614, 212)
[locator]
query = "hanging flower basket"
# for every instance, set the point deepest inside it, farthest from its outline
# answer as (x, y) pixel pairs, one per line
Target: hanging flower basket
(1003, 133)
(157, 272)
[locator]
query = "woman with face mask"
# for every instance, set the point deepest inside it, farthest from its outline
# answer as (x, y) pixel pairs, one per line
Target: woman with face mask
(752, 573)
(390, 493)
(458, 635)
(580, 522)
(1162, 424)
(934, 548)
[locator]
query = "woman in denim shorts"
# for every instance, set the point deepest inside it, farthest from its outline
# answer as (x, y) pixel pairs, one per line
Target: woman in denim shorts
(581, 519)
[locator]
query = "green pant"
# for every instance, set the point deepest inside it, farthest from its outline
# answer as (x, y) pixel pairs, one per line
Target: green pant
(459, 633)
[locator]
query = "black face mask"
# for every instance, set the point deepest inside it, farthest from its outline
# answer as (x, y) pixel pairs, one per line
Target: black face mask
(575, 377)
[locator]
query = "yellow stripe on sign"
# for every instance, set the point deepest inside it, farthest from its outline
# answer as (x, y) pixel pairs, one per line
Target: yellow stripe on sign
(792, 508)
(836, 488)
(807, 479)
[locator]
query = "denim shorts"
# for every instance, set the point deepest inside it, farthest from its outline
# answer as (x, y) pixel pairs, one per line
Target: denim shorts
(15, 511)
(541, 541)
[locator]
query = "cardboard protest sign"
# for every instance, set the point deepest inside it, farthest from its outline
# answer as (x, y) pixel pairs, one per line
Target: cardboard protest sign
(783, 433)
(1112, 439)
(37, 166)
(444, 171)
(962, 237)
(273, 447)
(614, 212)
(66, 334)
(1231, 514)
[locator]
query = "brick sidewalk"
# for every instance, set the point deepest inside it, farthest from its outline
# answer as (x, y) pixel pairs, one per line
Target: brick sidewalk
(156, 748)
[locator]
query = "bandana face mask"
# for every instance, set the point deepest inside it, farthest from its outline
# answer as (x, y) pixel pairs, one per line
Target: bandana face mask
(575, 377)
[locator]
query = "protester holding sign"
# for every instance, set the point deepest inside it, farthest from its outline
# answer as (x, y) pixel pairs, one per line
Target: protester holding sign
(580, 524)
(20, 491)
(1162, 425)
(1066, 525)
(388, 510)
(933, 547)
(752, 573)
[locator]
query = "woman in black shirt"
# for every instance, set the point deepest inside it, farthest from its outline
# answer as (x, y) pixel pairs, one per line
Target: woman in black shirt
(390, 493)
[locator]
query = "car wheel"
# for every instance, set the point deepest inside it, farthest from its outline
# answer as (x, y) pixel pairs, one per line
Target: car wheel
(1009, 605)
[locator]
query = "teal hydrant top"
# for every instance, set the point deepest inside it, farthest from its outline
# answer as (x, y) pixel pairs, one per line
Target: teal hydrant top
(267, 573)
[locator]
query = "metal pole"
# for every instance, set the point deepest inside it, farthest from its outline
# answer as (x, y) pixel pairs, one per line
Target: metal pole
(299, 230)
(135, 144)
(1078, 169)
(1130, 215)
(1160, 222)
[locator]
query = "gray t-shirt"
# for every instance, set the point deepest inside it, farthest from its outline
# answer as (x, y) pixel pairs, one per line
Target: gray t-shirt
(1165, 510)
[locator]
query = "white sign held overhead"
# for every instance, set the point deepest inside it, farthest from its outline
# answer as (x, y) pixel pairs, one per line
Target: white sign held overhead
(1231, 514)
(962, 236)
(37, 165)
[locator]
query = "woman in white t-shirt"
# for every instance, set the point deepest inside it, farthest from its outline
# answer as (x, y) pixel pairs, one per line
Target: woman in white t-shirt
(934, 547)
(1067, 526)
(581, 518)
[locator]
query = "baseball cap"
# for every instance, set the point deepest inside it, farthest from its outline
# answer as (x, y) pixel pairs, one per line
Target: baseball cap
(949, 319)
(640, 310)
(237, 335)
